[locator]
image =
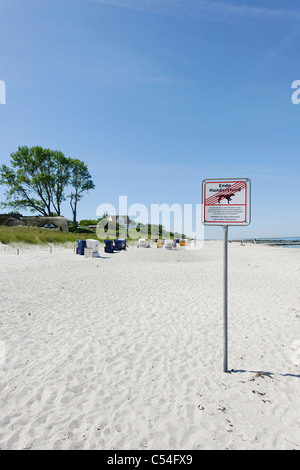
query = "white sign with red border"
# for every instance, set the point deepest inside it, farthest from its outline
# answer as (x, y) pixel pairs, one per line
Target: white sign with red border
(226, 201)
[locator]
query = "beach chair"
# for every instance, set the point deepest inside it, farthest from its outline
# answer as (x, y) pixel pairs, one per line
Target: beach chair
(81, 246)
(91, 248)
(88, 252)
(142, 243)
(159, 244)
(168, 244)
(109, 246)
(93, 245)
(118, 245)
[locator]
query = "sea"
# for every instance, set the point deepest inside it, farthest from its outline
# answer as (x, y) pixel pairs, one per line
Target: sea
(287, 242)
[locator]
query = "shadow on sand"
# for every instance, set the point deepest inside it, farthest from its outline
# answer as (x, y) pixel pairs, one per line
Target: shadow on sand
(262, 373)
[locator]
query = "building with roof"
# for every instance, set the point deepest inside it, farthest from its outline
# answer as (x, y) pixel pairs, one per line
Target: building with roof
(13, 220)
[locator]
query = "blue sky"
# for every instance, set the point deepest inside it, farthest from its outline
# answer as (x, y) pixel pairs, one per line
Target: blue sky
(157, 95)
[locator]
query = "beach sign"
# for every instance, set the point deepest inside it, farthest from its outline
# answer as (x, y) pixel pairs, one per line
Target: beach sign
(226, 201)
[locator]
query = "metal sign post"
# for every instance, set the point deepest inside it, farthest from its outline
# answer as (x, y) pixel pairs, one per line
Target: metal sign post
(226, 202)
(225, 296)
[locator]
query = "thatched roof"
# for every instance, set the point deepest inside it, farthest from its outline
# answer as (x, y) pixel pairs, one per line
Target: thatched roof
(34, 221)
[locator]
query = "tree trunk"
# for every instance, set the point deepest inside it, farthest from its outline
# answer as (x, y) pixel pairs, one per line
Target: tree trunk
(75, 215)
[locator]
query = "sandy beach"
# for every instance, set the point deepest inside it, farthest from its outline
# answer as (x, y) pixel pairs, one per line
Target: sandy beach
(125, 351)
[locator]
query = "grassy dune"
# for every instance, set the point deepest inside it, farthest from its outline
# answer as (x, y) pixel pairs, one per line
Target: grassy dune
(37, 236)
(40, 236)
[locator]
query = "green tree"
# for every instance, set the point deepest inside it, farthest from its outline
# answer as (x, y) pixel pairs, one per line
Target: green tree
(87, 222)
(81, 182)
(36, 180)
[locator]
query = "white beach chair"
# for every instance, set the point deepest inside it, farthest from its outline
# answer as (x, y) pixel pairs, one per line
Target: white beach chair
(142, 243)
(168, 244)
(92, 248)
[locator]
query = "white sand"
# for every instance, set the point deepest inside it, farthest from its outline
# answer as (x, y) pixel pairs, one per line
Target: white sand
(126, 352)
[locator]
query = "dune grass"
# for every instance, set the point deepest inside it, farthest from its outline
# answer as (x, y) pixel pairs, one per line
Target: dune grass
(40, 236)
